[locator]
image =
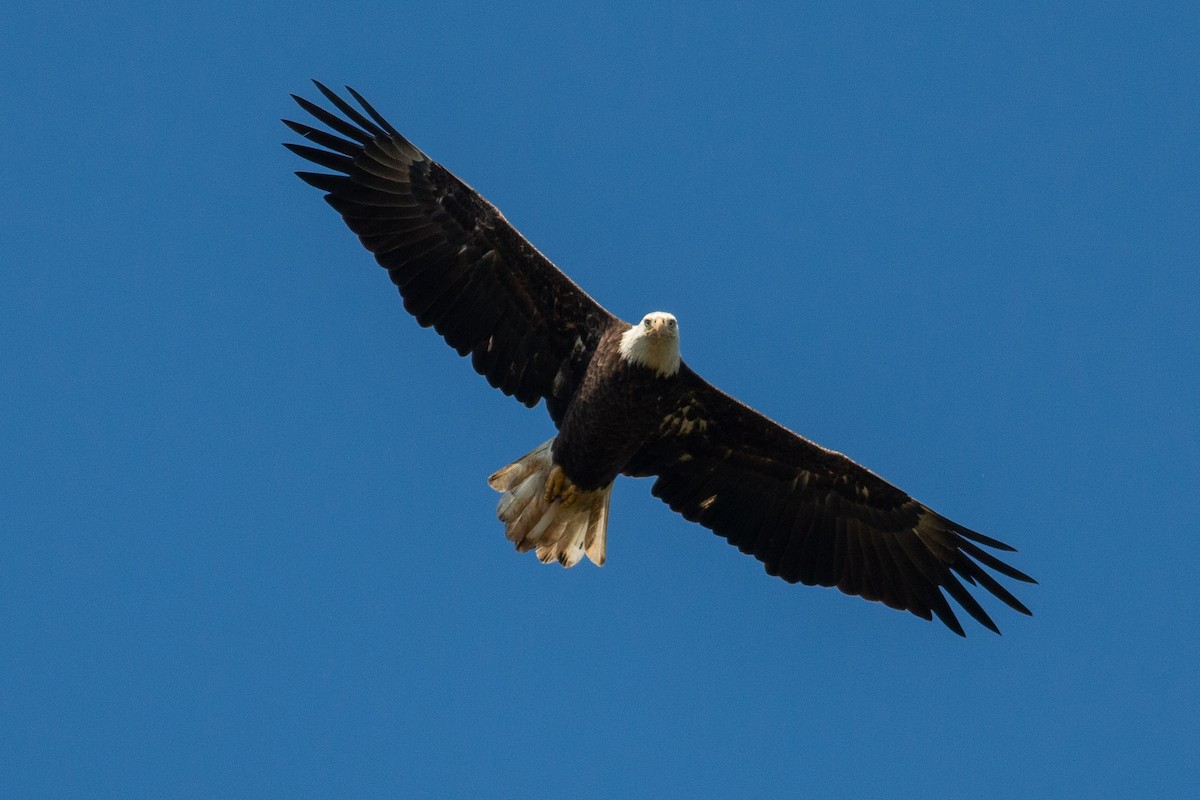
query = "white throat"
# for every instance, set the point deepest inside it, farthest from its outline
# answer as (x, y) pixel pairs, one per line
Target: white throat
(656, 349)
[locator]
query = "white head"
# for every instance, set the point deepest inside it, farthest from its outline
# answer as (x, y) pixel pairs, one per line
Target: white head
(653, 343)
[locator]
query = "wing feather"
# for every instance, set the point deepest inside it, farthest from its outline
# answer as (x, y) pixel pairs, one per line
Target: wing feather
(458, 264)
(812, 515)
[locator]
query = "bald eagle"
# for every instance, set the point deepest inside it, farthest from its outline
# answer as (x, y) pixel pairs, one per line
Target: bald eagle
(622, 399)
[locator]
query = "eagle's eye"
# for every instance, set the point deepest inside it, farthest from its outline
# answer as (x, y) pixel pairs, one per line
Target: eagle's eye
(647, 323)
(670, 323)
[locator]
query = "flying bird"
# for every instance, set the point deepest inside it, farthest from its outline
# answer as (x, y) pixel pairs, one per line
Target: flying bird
(622, 399)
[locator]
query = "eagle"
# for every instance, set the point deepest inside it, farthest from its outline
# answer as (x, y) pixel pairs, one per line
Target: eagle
(623, 401)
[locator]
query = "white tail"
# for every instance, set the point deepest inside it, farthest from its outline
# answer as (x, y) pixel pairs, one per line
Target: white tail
(561, 526)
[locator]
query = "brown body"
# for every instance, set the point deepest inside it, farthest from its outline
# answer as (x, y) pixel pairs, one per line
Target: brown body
(617, 408)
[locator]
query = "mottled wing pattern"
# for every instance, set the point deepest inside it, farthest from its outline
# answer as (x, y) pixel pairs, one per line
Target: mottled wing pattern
(459, 265)
(812, 515)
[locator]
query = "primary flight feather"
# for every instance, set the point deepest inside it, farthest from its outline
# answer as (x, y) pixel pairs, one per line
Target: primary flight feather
(622, 399)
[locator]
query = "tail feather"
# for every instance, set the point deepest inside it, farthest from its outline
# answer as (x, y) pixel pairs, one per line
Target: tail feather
(556, 532)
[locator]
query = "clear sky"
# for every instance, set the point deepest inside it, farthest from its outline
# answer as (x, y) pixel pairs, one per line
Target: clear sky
(246, 544)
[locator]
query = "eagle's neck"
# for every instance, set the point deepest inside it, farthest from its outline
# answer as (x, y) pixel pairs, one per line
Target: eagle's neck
(656, 352)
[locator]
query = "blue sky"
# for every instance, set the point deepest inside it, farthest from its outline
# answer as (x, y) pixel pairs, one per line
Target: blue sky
(248, 547)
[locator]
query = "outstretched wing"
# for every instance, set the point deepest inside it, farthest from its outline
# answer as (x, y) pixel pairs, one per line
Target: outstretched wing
(459, 265)
(812, 515)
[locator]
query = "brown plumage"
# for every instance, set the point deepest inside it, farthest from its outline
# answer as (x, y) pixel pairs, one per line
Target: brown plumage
(809, 514)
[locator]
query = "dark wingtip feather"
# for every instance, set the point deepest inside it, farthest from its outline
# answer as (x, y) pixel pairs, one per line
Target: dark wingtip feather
(968, 602)
(375, 115)
(990, 561)
(322, 158)
(939, 606)
(971, 571)
(321, 180)
(352, 113)
(308, 105)
(1017, 575)
(977, 536)
(298, 127)
(336, 123)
